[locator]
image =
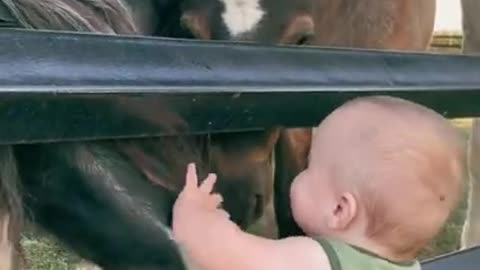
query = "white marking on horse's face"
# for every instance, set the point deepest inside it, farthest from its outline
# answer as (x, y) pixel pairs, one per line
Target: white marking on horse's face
(241, 16)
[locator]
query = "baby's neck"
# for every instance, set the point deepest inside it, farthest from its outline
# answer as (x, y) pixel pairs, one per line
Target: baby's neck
(371, 246)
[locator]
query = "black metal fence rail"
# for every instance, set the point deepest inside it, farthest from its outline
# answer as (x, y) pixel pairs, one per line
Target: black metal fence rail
(70, 86)
(468, 259)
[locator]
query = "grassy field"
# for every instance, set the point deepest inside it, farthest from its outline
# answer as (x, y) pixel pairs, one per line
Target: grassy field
(44, 253)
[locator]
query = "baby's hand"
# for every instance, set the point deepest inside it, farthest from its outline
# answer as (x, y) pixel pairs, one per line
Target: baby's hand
(198, 197)
(196, 204)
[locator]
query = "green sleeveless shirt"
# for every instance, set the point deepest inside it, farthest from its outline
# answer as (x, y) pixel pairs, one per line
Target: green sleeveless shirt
(345, 257)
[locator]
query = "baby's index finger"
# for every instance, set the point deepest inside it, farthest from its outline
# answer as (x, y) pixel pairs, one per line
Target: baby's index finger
(191, 178)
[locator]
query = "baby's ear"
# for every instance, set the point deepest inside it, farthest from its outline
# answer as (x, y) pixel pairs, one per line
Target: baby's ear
(345, 211)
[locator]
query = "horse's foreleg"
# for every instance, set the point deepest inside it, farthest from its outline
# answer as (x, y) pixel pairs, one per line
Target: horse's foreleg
(471, 227)
(291, 155)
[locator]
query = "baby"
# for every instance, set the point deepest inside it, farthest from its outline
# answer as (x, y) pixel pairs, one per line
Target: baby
(383, 176)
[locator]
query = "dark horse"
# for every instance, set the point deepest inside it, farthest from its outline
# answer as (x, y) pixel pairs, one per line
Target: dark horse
(103, 190)
(111, 200)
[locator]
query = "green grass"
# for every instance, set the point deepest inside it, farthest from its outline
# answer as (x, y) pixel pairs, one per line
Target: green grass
(44, 253)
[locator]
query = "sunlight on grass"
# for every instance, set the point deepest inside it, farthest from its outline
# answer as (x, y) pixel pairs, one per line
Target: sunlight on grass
(462, 123)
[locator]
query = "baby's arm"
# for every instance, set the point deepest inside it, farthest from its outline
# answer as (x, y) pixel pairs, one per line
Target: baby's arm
(241, 251)
(213, 242)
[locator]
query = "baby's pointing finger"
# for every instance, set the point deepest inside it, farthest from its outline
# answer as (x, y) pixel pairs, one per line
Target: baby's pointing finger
(191, 178)
(208, 183)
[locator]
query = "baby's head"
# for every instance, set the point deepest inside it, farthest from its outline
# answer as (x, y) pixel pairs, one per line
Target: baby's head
(383, 174)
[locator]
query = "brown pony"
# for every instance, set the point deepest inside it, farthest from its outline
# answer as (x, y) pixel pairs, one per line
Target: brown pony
(372, 24)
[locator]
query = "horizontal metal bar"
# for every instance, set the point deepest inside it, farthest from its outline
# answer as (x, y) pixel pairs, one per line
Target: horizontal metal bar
(69, 86)
(467, 259)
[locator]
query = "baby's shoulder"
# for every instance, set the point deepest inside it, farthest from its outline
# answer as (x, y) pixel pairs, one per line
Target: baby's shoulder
(305, 253)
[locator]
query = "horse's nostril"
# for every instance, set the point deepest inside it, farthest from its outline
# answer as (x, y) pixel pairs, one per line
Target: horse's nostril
(304, 39)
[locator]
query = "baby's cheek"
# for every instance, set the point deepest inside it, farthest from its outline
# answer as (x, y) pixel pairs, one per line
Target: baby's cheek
(297, 198)
(294, 192)
(298, 187)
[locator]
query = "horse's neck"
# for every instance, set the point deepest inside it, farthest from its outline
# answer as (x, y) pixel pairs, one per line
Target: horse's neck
(145, 14)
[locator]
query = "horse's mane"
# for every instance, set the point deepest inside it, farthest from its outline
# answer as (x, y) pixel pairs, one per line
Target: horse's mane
(162, 160)
(103, 16)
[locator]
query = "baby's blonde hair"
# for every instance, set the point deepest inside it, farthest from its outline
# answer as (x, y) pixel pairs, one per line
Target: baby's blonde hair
(405, 164)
